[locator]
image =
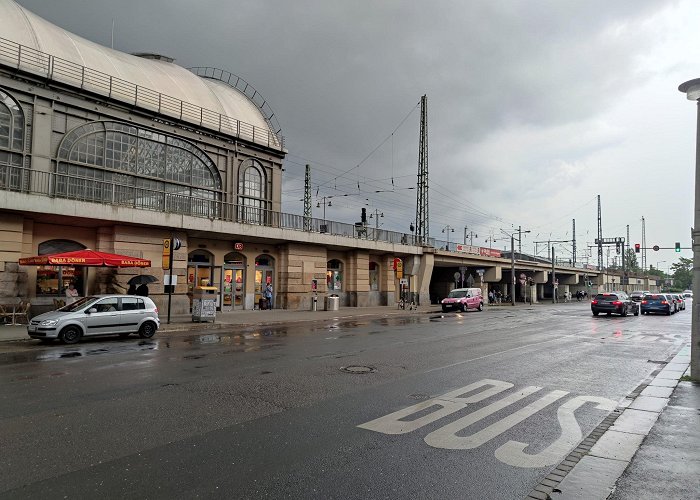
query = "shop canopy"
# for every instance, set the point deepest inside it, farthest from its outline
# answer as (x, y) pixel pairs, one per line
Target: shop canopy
(85, 257)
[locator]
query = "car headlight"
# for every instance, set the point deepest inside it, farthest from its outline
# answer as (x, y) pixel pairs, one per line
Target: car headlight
(49, 322)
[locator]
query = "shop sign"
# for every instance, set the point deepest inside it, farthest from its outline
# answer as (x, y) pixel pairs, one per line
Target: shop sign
(398, 267)
(238, 246)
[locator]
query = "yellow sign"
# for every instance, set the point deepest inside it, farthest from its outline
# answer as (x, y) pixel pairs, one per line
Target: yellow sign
(166, 254)
(399, 268)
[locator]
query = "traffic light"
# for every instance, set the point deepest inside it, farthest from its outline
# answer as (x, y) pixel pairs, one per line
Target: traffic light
(637, 247)
(617, 247)
(678, 246)
(363, 217)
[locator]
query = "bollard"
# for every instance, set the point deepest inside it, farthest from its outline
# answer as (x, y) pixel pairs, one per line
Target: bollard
(314, 303)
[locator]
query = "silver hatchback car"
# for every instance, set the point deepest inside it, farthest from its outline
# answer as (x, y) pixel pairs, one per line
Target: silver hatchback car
(97, 315)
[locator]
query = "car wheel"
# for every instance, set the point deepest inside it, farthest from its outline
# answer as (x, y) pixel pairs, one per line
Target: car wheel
(481, 306)
(444, 309)
(462, 307)
(147, 330)
(668, 313)
(71, 335)
(595, 313)
(608, 314)
(624, 312)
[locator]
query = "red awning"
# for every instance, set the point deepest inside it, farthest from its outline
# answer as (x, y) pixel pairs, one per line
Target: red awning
(85, 257)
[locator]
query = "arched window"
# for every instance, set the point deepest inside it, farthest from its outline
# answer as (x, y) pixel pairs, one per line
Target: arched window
(334, 275)
(11, 139)
(252, 193)
(121, 164)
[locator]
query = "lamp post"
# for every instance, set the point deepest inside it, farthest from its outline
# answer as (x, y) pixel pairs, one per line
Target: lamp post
(512, 261)
(325, 203)
(691, 89)
(472, 235)
(448, 229)
(376, 215)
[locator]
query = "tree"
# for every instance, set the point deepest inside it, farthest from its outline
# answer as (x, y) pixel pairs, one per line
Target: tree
(631, 261)
(682, 273)
(656, 272)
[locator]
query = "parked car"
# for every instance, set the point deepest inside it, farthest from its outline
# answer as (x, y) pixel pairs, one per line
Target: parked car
(680, 302)
(657, 303)
(97, 315)
(638, 295)
(614, 302)
(688, 294)
(463, 299)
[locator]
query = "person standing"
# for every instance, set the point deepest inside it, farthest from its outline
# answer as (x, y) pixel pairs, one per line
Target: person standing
(142, 290)
(268, 295)
(71, 294)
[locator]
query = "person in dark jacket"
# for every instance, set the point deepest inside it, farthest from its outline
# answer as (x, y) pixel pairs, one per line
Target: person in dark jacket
(131, 290)
(142, 290)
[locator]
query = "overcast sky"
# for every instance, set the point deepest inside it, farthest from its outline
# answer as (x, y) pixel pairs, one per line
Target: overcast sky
(534, 107)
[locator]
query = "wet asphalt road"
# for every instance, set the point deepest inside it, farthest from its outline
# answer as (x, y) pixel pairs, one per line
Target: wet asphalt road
(271, 412)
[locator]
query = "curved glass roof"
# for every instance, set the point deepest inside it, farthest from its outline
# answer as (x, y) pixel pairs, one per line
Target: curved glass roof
(26, 28)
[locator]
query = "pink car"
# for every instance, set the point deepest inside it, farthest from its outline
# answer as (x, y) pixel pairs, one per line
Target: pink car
(463, 299)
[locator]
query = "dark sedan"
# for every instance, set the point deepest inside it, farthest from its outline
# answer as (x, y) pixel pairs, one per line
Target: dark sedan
(657, 303)
(614, 302)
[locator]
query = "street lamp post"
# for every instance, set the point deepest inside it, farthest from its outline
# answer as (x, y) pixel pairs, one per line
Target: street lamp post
(472, 235)
(448, 229)
(512, 261)
(691, 89)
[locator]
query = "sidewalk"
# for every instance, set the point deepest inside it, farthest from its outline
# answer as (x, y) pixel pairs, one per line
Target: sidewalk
(649, 447)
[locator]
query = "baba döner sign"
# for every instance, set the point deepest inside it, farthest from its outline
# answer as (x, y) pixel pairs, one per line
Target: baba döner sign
(85, 257)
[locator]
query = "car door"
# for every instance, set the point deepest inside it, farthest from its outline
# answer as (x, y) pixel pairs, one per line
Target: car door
(104, 317)
(132, 313)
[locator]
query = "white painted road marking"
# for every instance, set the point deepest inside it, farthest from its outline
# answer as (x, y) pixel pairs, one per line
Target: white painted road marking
(512, 452)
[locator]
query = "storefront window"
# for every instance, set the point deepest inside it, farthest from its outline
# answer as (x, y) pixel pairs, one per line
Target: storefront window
(334, 277)
(53, 280)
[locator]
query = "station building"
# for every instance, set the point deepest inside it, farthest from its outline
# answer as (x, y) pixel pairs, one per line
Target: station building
(116, 152)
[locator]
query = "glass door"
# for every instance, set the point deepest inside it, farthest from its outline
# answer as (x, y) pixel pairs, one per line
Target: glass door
(232, 289)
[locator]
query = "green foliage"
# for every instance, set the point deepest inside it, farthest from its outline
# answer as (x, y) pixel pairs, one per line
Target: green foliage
(682, 273)
(631, 261)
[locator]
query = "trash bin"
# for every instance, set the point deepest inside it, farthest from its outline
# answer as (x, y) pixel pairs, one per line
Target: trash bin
(332, 303)
(204, 303)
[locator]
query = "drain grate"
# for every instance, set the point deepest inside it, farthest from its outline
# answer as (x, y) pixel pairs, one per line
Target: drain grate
(358, 370)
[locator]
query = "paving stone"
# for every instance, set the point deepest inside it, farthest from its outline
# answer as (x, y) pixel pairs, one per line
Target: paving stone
(647, 403)
(664, 382)
(593, 478)
(658, 392)
(672, 374)
(635, 422)
(617, 445)
(539, 495)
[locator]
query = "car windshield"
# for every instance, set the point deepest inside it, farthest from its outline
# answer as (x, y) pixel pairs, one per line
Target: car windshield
(457, 294)
(78, 304)
(606, 296)
(653, 297)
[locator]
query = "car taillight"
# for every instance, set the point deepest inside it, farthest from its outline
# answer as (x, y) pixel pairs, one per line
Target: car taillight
(617, 303)
(156, 310)
(594, 302)
(664, 302)
(645, 301)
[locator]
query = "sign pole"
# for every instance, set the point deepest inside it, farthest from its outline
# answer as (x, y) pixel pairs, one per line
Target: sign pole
(170, 277)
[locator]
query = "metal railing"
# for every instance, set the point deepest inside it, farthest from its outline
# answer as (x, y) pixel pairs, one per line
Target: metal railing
(23, 58)
(73, 187)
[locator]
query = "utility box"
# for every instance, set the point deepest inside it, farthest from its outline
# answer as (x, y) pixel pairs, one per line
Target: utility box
(204, 303)
(332, 303)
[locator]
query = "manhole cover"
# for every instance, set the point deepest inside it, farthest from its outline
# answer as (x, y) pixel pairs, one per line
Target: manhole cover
(358, 370)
